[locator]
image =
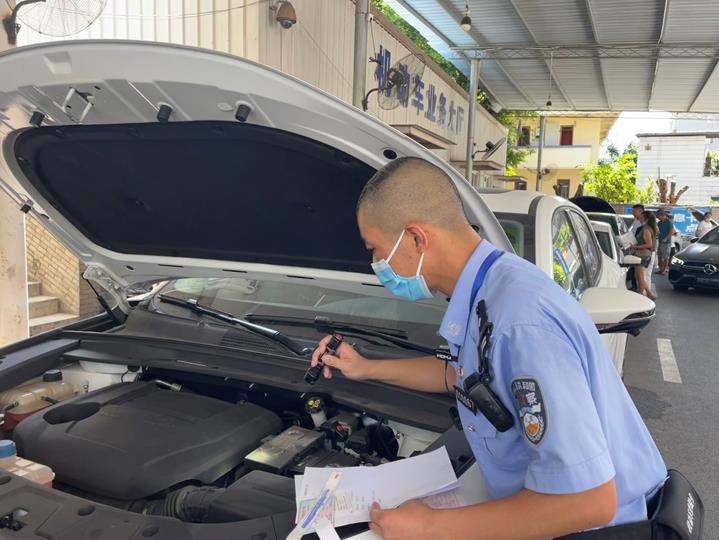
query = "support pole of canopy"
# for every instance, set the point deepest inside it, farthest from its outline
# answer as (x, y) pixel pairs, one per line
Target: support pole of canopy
(472, 102)
(359, 77)
(540, 146)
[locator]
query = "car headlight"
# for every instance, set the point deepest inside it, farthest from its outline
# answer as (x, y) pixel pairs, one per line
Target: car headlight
(677, 262)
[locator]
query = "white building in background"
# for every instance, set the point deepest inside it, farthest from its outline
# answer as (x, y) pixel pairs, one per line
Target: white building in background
(681, 157)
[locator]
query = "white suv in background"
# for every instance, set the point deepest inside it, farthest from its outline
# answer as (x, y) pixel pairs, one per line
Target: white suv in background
(556, 235)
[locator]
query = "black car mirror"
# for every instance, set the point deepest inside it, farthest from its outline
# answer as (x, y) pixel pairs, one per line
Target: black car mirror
(693, 240)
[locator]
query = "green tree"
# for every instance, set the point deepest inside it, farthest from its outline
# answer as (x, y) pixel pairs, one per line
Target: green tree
(714, 157)
(613, 153)
(515, 154)
(615, 180)
(509, 119)
(412, 33)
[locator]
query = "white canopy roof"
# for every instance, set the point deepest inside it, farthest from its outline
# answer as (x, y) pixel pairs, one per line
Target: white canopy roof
(589, 55)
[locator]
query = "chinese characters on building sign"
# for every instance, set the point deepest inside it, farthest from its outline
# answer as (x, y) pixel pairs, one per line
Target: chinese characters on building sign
(422, 97)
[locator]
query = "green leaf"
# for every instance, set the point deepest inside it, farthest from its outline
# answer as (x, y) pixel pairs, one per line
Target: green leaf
(615, 180)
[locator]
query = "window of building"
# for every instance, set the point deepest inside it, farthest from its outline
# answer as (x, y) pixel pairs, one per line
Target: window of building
(524, 135)
(563, 188)
(520, 185)
(566, 137)
(711, 157)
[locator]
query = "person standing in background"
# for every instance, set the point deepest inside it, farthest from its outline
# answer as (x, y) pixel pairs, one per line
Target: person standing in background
(705, 225)
(637, 211)
(666, 234)
(646, 251)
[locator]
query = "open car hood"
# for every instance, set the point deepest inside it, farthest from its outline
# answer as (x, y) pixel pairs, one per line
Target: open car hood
(202, 194)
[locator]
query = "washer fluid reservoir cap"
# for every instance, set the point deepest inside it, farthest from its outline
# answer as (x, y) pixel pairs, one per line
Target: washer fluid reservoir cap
(7, 449)
(52, 375)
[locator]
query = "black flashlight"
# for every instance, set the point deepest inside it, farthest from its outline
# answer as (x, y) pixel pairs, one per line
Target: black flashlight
(313, 373)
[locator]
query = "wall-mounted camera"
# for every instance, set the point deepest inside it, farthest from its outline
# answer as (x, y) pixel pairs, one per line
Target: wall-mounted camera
(286, 14)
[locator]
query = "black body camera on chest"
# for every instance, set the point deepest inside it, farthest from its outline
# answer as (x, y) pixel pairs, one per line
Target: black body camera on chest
(476, 386)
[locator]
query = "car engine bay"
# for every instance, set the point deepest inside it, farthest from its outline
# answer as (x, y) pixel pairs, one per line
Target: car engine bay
(196, 448)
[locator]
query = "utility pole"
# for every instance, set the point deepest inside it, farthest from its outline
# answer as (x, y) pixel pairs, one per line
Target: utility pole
(540, 146)
(472, 101)
(359, 78)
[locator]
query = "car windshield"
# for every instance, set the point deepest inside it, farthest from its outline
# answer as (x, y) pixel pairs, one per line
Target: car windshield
(519, 228)
(267, 298)
(605, 242)
(712, 237)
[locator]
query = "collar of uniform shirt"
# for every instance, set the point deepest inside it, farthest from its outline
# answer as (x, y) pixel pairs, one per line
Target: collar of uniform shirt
(454, 323)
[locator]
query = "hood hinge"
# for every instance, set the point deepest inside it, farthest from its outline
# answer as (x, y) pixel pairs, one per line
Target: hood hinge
(97, 275)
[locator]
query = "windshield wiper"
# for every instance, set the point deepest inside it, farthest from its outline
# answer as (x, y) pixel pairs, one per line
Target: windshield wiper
(398, 338)
(270, 333)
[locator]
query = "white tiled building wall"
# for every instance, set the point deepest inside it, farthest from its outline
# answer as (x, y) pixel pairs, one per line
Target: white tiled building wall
(679, 158)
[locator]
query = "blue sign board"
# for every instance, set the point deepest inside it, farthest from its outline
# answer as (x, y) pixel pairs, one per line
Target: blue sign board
(684, 221)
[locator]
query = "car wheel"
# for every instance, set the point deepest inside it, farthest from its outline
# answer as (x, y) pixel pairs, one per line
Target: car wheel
(681, 288)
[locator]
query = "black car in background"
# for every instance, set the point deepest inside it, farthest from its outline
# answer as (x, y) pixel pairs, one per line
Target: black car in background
(697, 265)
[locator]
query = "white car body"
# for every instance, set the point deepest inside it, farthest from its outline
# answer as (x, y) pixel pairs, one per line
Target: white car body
(538, 212)
(607, 240)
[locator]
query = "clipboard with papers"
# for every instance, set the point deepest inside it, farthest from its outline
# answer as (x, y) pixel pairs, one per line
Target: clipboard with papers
(337, 497)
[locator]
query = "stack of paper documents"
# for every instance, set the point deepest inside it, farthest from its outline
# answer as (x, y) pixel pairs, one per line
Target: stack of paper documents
(627, 240)
(428, 477)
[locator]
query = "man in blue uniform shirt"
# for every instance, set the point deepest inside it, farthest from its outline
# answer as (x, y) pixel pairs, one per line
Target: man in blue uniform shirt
(578, 455)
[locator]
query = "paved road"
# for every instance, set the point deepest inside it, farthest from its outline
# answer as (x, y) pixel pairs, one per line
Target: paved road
(683, 417)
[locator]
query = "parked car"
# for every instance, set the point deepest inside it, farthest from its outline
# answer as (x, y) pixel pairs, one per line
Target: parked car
(236, 184)
(610, 244)
(628, 220)
(697, 266)
(556, 235)
(615, 221)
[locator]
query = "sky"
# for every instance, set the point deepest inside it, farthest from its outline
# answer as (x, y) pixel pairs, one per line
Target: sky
(628, 124)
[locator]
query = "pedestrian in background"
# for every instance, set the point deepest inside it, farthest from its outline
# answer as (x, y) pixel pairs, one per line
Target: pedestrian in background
(666, 234)
(637, 211)
(705, 225)
(646, 250)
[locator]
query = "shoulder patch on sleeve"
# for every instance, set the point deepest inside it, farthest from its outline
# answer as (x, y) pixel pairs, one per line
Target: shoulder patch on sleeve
(532, 411)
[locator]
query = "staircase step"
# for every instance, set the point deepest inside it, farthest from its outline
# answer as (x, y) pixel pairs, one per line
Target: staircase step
(48, 322)
(40, 306)
(34, 288)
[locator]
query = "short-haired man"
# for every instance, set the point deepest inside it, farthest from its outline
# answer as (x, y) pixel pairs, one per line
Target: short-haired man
(637, 211)
(575, 454)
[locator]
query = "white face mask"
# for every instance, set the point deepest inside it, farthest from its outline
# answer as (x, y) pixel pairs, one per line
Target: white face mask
(412, 288)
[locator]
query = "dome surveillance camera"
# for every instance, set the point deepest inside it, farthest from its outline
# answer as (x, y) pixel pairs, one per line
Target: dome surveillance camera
(286, 15)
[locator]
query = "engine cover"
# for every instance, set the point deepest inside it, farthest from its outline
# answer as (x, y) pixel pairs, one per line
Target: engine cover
(133, 440)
